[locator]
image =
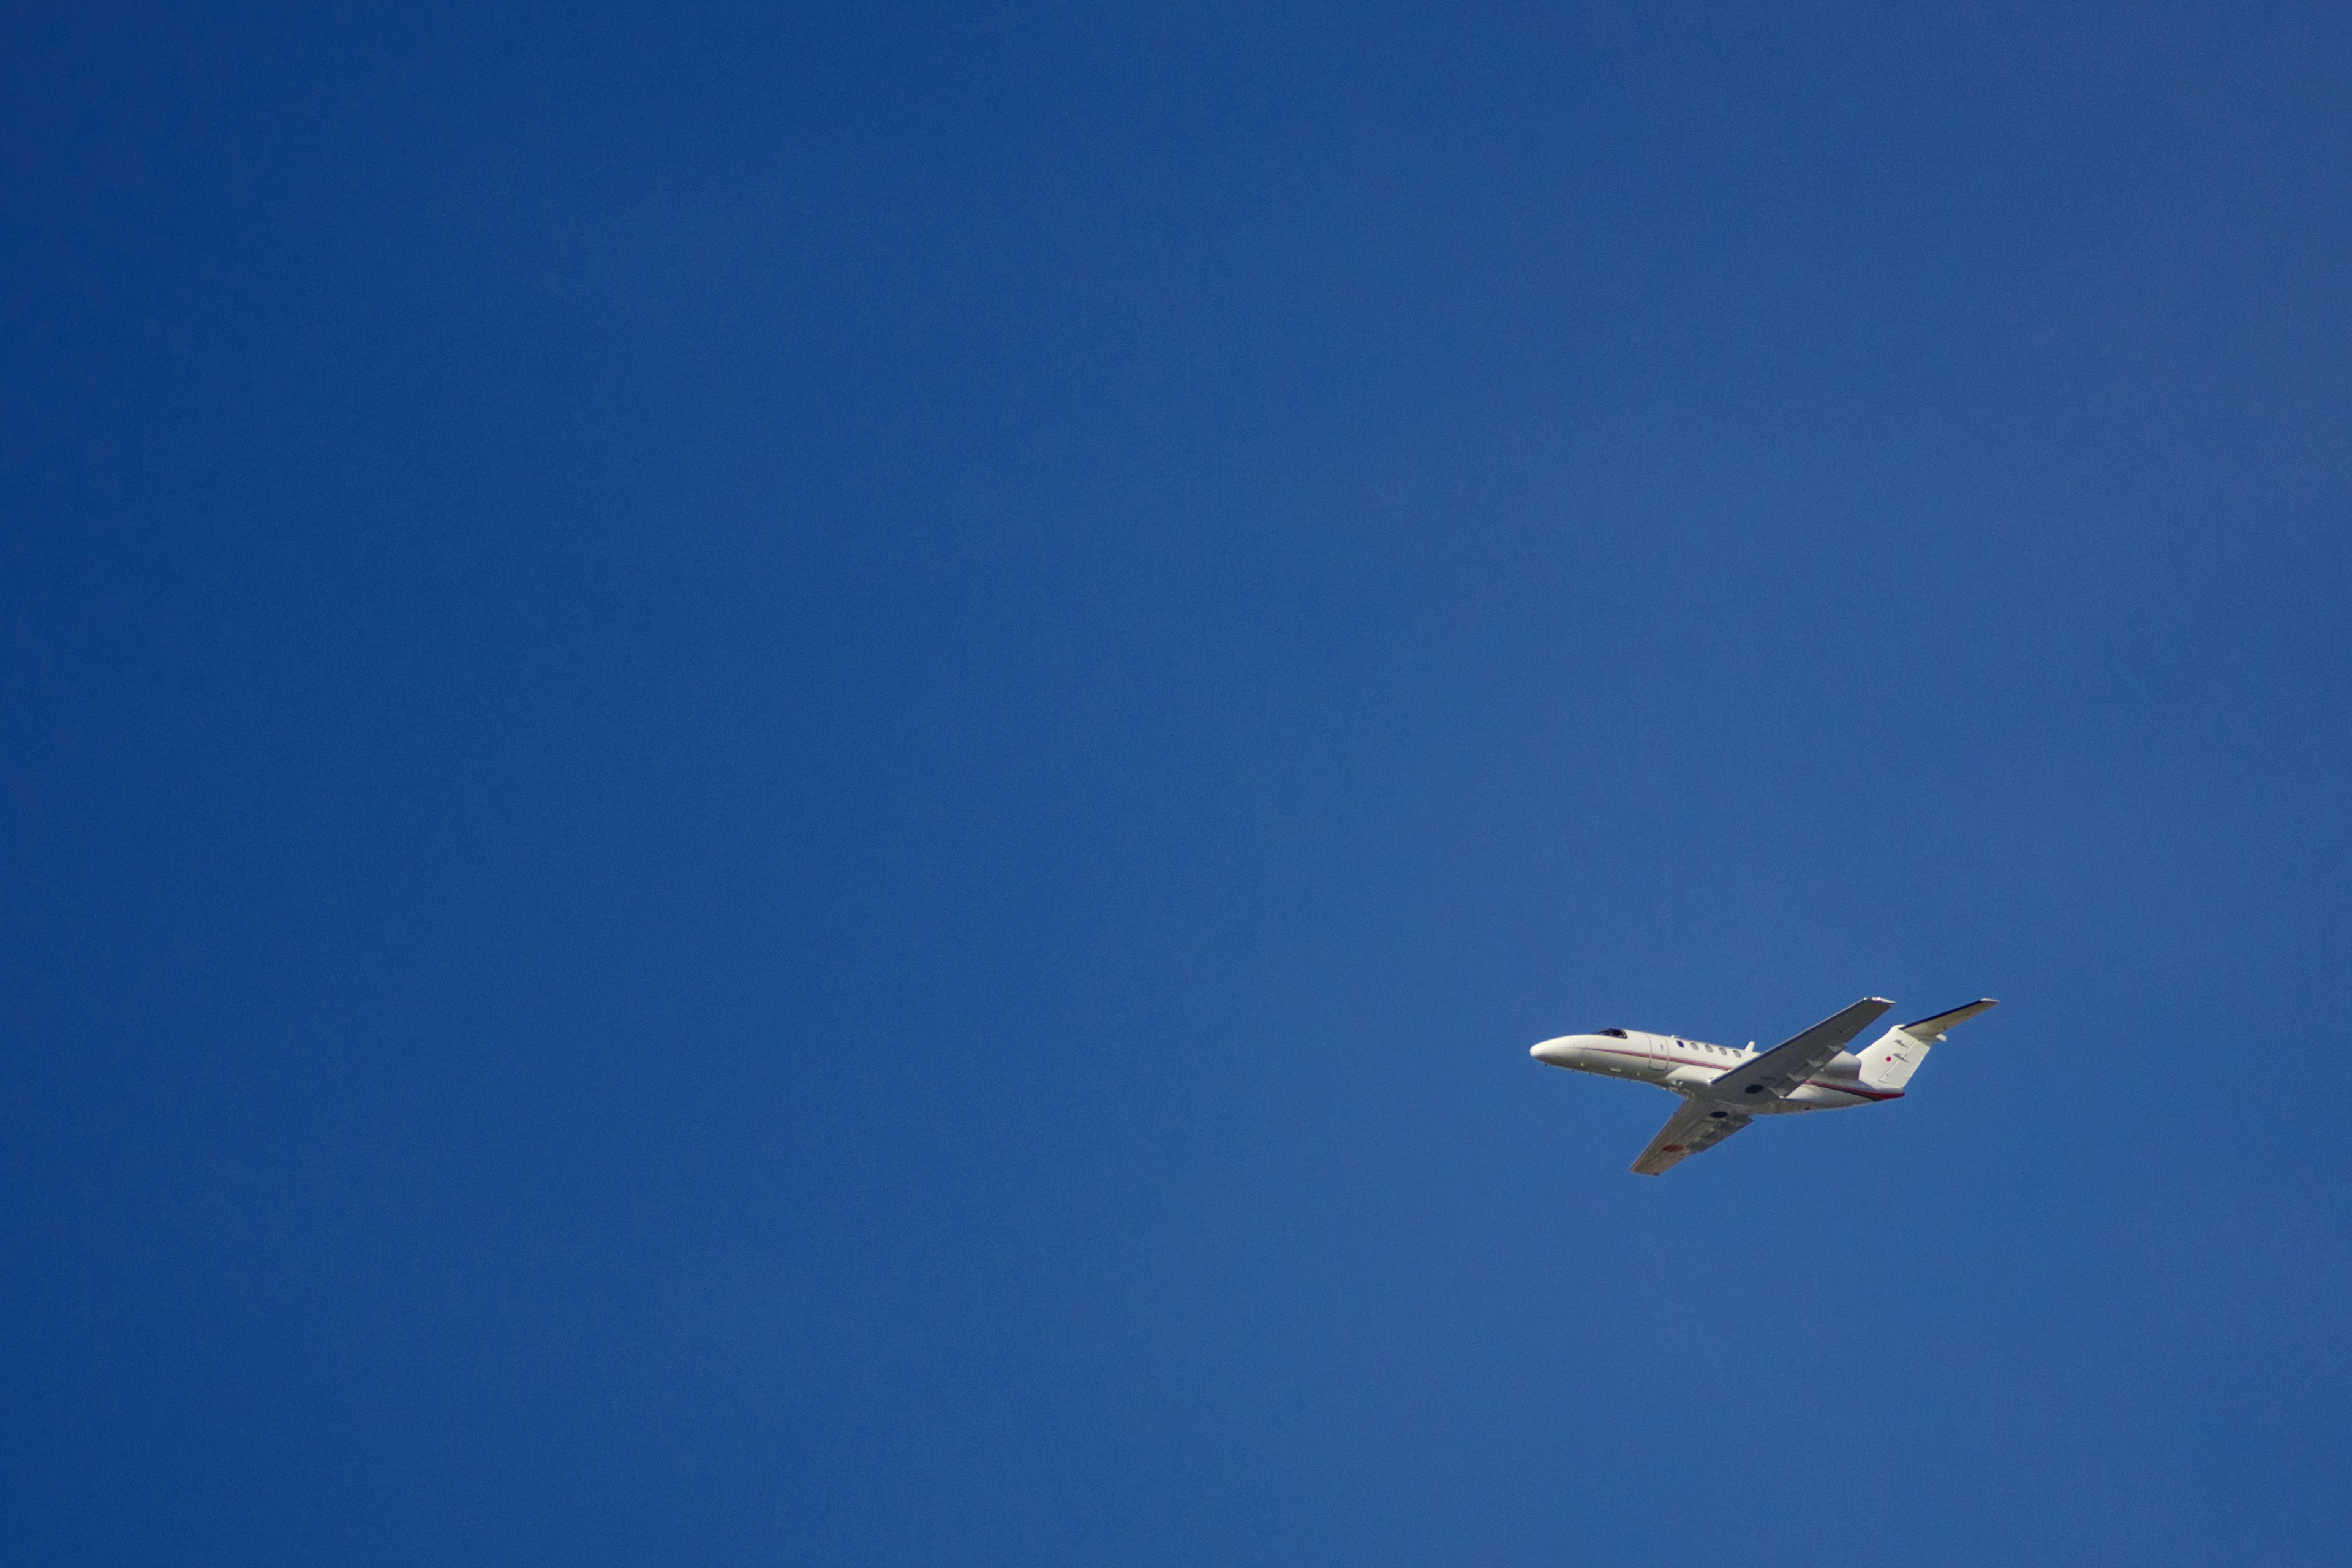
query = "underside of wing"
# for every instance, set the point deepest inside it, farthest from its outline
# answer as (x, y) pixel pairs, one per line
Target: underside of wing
(1693, 1130)
(1798, 1058)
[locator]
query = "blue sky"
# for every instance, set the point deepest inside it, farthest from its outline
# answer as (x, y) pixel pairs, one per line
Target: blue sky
(796, 785)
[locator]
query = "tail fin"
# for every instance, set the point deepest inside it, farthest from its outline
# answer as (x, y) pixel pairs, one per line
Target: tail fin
(1895, 1055)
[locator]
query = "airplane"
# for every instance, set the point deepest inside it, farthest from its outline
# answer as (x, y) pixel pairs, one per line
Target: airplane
(1724, 1089)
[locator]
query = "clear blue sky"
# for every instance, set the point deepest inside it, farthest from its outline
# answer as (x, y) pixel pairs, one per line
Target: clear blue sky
(796, 785)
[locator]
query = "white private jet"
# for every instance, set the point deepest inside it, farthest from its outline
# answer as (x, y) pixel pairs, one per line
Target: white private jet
(1725, 1090)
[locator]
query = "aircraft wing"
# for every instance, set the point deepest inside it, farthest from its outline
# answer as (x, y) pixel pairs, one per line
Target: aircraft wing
(1698, 1127)
(1798, 1058)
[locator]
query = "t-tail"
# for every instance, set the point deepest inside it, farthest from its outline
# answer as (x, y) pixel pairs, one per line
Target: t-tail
(1895, 1055)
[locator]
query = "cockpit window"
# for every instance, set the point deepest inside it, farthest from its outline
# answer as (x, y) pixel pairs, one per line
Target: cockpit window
(1614, 1034)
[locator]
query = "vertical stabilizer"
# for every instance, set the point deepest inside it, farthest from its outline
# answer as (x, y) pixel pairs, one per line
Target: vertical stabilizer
(1895, 1055)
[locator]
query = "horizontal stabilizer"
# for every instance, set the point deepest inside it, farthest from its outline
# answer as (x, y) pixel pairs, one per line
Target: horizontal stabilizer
(1928, 1030)
(1888, 1063)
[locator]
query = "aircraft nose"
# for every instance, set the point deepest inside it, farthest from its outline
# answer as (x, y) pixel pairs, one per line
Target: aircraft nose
(1554, 1051)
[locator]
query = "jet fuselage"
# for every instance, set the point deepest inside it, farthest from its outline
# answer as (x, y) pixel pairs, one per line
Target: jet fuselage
(1684, 1065)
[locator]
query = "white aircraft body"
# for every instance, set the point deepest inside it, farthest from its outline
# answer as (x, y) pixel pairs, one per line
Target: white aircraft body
(1724, 1089)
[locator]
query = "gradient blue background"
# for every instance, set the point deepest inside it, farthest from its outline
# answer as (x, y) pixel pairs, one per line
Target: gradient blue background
(796, 785)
